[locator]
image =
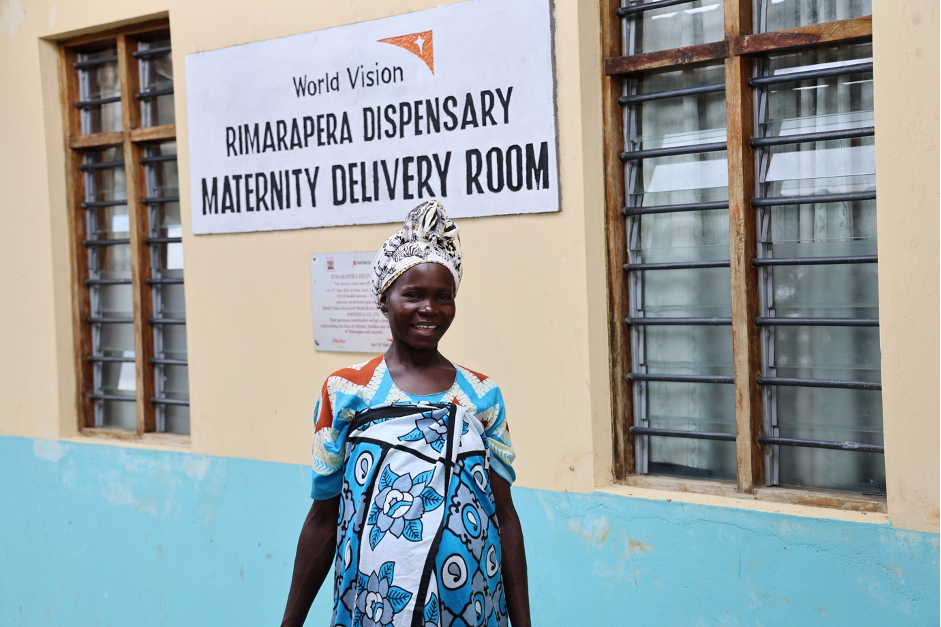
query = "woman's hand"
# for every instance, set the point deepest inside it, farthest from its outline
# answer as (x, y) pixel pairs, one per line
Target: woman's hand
(515, 583)
(316, 548)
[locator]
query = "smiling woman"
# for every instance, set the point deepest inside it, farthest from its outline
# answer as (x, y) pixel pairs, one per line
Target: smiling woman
(412, 464)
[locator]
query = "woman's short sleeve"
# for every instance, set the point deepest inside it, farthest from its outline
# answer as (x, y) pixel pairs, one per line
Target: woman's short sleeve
(331, 425)
(498, 435)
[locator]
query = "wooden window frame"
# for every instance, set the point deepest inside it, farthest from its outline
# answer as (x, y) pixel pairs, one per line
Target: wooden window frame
(132, 140)
(736, 51)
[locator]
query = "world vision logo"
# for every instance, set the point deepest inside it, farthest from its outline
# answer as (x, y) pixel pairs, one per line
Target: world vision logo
(419, 44)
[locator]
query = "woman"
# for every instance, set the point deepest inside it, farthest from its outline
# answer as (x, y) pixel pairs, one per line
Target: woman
(412, 465)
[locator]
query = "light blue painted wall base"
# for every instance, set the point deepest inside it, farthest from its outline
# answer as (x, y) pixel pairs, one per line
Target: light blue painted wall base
(104, 535)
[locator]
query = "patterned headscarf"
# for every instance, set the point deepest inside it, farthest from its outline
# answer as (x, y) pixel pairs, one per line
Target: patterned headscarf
(428, 236)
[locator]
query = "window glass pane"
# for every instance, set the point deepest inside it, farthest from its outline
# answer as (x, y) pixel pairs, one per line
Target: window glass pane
(682, 457)
(114, 340)
(825, 291)
(176, 382)
(820, 105)
(174, 341)
(706, 350)
(781, 14)
(118, 414)
(97, 82)
(172, 303)
(834, 353)
(109, 222)
(683, 236)
(702, 407)
(176, 419)
(832, 415)
(686, 294)
(118, 378)
(696, 22)
(681, 179)
(822, 229)
(167, 220)
(113, 262)
(114, 301)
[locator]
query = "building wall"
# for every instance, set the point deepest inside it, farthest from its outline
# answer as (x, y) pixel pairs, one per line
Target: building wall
(534, 319)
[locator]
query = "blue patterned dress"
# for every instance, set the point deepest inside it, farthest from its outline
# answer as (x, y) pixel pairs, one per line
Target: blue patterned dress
(417, 542)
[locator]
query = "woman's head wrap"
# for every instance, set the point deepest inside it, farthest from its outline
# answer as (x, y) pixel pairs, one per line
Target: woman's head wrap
(428, 236)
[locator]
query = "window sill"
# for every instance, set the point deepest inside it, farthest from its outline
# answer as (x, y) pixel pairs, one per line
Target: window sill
(790, 501)
(131, 438)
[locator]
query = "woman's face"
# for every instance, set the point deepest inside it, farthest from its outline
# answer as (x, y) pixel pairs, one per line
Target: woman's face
(420, 305)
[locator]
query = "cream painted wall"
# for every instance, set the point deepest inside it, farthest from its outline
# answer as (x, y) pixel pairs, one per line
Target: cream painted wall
(533, 318)
(255, 376)
(906, 71)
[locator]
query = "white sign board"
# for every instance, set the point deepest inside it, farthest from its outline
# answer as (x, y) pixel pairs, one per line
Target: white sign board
(345, 314)
(358, 124)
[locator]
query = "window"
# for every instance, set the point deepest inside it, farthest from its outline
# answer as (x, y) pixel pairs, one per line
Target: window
(742, 248)
(129, 310)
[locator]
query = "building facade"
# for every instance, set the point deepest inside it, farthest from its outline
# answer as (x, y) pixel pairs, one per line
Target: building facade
(685, 457)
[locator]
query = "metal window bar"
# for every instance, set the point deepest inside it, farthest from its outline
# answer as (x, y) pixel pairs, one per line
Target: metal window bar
(156, 200)
(169, 401)
(95, 204)
(153, 93)
(671, 93)
(803, 138)
(773, 321)
(680, 378)
(810, 200)
(792, 77)
(160, 321)
(819, 383)
(164, 281)
(672, 151)
(157, 159)
(765, 262)
(676, 433)
(111, 397)
(86, 64)
(643, 321)
(90, 243)
(838, 446)
(163, 240)
(107, 281)
(697, 206)
(146, 53)
(94, 102)
(634, 9)
(100, 165)
(811, 261)
(110, 359)
(169, 362)
(675, 265)
(108, 320)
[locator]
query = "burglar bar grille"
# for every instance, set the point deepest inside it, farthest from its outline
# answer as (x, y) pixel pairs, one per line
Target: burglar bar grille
(778, 408)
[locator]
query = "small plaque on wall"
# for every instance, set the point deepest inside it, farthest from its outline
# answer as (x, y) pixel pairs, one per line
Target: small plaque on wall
(345, 314)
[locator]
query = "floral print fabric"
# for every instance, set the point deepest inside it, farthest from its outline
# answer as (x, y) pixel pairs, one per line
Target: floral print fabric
(357, 388)
(418, 542)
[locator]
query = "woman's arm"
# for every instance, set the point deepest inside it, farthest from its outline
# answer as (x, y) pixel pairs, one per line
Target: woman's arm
(316, 548)
(515, 581)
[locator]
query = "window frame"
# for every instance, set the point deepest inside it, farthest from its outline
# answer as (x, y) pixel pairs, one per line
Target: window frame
(737, 51)
(132, 140)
